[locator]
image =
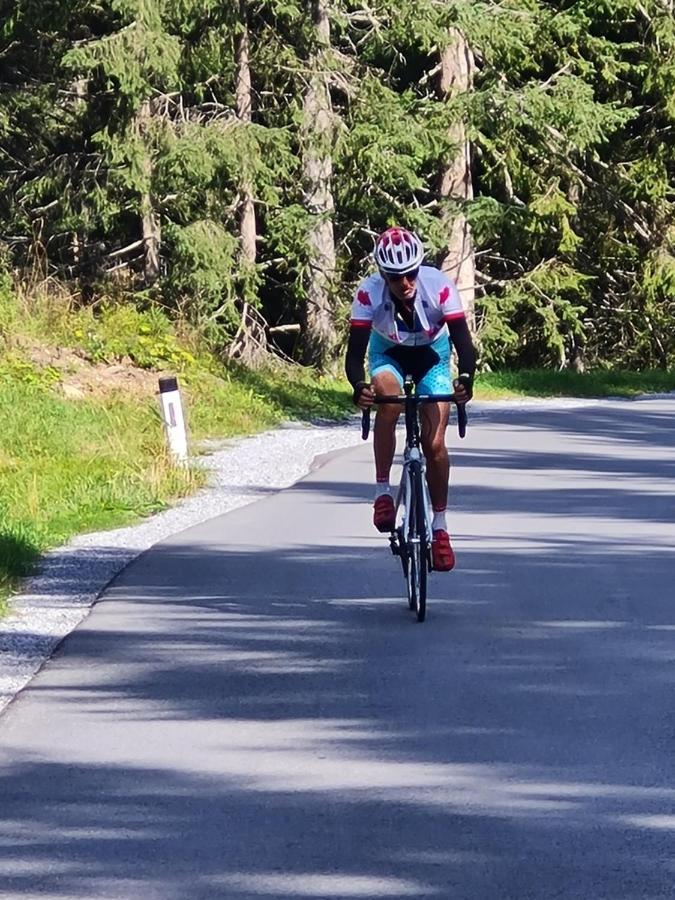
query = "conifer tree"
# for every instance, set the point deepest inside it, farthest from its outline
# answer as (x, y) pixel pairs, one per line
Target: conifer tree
(244, 155)
(138, 62)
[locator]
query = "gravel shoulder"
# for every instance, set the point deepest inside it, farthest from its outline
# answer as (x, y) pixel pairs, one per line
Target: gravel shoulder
(71, 578)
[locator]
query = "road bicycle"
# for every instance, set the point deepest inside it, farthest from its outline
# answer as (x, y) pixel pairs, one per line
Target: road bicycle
(411, 538)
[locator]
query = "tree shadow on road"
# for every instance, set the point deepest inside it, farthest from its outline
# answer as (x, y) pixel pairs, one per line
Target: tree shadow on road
(295, 738)
(272, 723)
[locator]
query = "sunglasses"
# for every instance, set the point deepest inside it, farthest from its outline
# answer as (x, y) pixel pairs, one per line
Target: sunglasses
(411, 275)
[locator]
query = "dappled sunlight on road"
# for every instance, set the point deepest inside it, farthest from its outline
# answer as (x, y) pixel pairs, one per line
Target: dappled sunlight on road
(316, 886)
(253, 712)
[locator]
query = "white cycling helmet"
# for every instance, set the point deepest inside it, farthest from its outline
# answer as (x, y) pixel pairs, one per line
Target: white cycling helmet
(398, 251)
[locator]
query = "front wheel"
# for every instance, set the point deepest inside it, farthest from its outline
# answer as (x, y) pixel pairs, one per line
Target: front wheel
(405, 563)
(416, 544)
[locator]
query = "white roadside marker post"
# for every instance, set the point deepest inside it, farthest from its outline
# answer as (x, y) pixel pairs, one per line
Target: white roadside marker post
(174, 422)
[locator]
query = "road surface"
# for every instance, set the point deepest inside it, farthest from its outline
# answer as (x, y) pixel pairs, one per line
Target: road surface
(252, 712)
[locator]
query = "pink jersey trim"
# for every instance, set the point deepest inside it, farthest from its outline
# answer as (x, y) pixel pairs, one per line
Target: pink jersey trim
(361, 323)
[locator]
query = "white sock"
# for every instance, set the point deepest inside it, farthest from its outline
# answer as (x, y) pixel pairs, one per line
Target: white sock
(439, 523)
(382, 487)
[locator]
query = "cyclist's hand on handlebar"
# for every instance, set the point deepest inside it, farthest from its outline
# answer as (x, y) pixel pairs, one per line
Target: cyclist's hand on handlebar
(364, 396)
(463, 388)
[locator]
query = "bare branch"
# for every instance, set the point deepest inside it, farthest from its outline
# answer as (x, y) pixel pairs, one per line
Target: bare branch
(121, 252)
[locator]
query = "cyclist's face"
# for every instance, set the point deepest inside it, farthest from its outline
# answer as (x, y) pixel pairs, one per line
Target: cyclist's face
(403, 287)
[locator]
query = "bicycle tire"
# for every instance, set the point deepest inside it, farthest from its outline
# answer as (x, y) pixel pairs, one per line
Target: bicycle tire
(408, 527)
(402, 551)
(417, 548)
(405, 562)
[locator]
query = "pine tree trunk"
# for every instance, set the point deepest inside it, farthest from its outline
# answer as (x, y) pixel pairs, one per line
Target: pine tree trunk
(79, 90)
(317, 132)
(150, 224)
(456, 77)
(244, 106)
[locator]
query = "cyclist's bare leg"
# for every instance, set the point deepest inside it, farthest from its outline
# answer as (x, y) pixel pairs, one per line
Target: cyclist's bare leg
(384, 432)
(434, 422)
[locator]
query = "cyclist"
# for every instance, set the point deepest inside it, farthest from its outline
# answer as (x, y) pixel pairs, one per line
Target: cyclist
(408, 316)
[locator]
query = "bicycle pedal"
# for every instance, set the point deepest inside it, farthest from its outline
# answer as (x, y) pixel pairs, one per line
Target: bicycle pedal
(393, 545)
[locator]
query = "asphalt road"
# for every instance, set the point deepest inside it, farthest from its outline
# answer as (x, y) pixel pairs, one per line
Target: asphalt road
(252, 712)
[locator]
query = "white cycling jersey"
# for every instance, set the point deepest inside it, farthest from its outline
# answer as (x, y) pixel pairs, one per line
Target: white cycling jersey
(436, 303)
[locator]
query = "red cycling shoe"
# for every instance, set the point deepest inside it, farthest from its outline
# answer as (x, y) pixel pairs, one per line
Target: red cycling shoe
(384, 514)
(442, 555)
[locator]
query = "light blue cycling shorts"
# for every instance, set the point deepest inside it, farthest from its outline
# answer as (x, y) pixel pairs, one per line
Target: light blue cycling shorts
(429, 365)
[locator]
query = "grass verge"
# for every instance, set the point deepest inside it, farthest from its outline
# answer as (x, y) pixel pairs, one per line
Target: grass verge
(598, 383)
(71, 467)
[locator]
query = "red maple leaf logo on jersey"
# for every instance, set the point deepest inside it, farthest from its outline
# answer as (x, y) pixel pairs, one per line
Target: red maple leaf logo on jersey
(444, 295)
(364, 298)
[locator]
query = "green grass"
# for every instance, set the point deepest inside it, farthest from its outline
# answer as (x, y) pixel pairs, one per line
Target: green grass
(71, 467)
(248, 401)
(597, 383)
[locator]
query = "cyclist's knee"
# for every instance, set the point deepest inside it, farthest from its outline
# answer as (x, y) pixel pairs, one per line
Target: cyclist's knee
(386, 383)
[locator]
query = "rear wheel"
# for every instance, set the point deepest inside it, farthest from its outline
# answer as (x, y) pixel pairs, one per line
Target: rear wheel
(416, 546)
